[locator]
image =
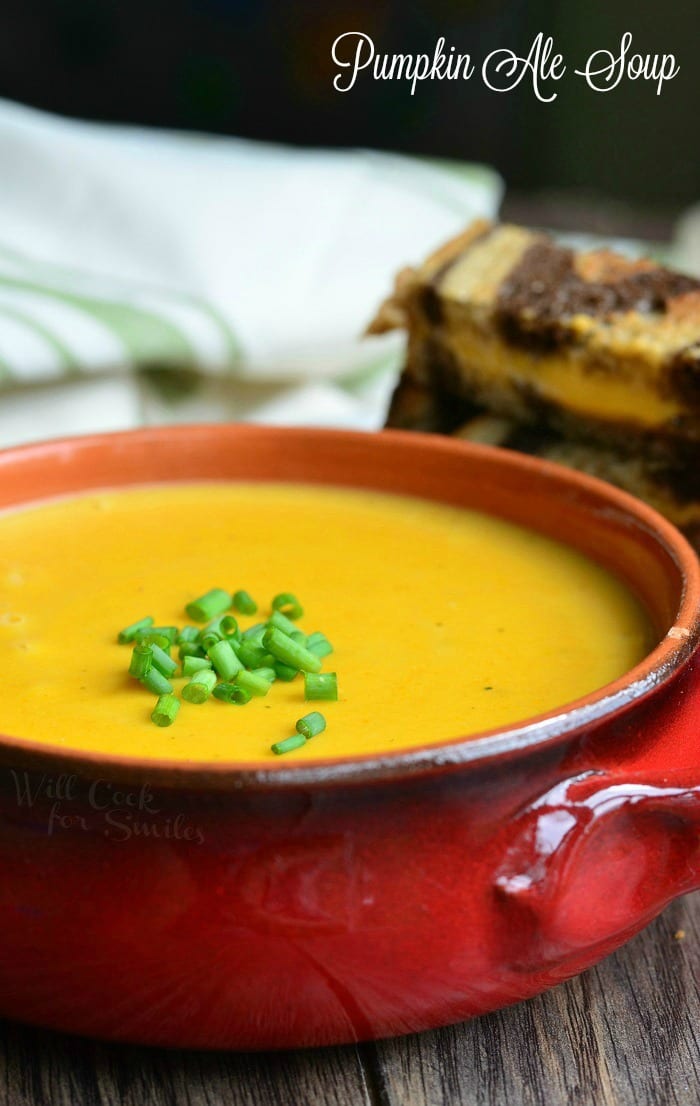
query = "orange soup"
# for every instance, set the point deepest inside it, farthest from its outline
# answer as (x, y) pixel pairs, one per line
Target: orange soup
(444, 622)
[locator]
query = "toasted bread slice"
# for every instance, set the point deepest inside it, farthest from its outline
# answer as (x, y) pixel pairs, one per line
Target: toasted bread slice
(590, 357)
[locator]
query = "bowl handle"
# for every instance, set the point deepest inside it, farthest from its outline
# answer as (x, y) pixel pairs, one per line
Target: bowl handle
(598, 855)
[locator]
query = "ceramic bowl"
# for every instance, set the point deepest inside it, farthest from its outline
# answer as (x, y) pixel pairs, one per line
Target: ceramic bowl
(321, 902)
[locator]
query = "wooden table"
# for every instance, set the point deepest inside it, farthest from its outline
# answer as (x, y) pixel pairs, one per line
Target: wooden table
(626, 1033)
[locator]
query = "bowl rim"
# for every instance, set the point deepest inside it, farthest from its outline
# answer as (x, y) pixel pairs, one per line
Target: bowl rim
(534, 734)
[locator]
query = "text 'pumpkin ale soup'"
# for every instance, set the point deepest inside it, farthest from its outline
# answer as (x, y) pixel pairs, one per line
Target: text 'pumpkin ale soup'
(443, 622)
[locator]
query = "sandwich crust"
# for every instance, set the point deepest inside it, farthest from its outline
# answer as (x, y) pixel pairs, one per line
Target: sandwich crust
(590, 357)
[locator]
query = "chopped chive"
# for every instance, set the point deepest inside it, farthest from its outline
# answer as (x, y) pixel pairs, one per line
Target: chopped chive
(169, 632)
(290, 652)
(267, 673)
(244, 603)
(289, 744)
(165, 710)
(255, 633)
(224, 625)
(190, 665)
(149, 637)
(323, 685)
(224, 659)
(156, 682)
(213, 602)
(319, 644)
(200, 686)
(223, 692)
(128, 634)
(228, 626)
(252, 682)
(311, 724)
(288, 605)
(188, 634)
(141, 661)
(163, 662)
(229, 663)
(285, 672)
(278, 620)
(232, 693)
(252, 656)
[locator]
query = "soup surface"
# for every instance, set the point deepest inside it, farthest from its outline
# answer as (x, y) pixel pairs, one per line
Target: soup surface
(444, 622)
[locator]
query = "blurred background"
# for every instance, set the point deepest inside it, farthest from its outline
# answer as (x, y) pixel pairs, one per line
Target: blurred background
(625, 162)
(151, 277)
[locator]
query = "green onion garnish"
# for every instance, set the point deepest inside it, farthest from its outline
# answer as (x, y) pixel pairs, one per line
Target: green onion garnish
(165, 710)
(323, 685)
(289, 744)
(228, 626)
(162, 661)
(151, 637)
(224, 659)
(285, 672)
(190, 665)
(319, 644)
(251, 655)
(252, 682)
(229, 663)
(290, 652)
(288, 605)
(232, 693)
(141, 661)
(213, 602)
(224, 625)
(156, 682)
(188, 634)
(128, 634)
(280, 622)
(311, 724)
(169, 632)
(244, 603)
(200, 686)
(268, 674)
(255, 633)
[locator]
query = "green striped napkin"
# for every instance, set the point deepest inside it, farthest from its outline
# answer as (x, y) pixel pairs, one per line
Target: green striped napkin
(148, 276)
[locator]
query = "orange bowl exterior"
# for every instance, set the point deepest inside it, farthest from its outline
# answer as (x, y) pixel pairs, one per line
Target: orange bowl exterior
(214, 906)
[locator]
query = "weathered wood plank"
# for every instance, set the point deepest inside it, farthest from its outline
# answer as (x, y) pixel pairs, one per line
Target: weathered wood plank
(626, 1033)
(45, 1069)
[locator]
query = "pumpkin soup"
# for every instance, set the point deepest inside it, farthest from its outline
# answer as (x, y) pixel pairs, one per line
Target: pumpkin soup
(444, 622)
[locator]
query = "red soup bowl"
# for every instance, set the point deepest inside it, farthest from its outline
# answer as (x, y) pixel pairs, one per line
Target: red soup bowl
(330, 901)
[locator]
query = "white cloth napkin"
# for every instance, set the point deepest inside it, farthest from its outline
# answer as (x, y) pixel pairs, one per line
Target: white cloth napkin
(687, 241)
(150, 276)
